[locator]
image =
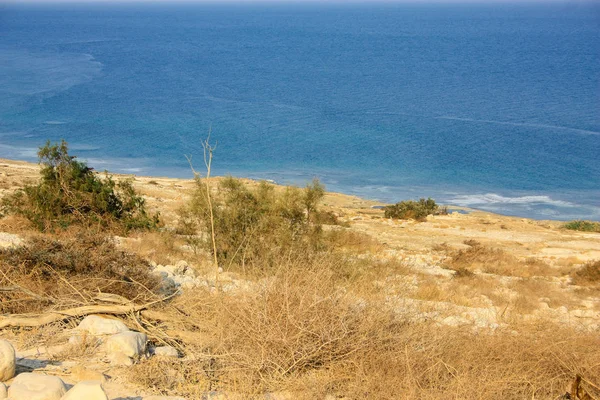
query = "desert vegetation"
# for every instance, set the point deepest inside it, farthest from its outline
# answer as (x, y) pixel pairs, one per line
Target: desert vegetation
(582, 225)
(410, 209)
(305, 305)
(70, 192)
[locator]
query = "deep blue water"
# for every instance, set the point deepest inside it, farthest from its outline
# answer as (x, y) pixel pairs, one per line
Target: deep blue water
(490, 106)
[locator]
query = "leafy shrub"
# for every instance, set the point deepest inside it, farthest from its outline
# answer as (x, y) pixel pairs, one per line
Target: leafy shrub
(70, 192)
(254, 226)
(581, 225)
(417, 210)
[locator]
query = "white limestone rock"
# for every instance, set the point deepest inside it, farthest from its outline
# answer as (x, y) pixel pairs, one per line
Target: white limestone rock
(86, 390)
(8, 240)
(3, 391)
(131, 344)
(7, 360)
(97, 325)
(166, 351)
(28, 386)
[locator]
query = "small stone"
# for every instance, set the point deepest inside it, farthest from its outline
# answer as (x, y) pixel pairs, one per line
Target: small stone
(166, 351)
(86, 390)
(96, 325)
(7, 360)
(36, 387)
(132, 344)
(3, 391)
(180, 267)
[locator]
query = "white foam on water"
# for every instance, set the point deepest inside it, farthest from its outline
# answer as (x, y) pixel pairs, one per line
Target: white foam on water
(489, 199)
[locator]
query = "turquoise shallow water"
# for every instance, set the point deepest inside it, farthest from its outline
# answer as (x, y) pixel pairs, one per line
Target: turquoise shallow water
(488, 106)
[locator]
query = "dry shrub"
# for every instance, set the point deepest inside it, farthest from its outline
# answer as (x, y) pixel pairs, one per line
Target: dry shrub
(588, 275)
(498, 262)
(299, 331)
(349, 240)
(68, 271)
(300, 322)
(162, 247)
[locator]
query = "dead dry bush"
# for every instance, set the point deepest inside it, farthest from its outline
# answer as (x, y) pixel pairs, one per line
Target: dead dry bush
(70, 271)
(304, 331)
(351, 241)
(587, 275)
(498, 262)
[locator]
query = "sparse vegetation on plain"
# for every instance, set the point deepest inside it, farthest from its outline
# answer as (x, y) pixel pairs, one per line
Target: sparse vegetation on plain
(417, 210)
(313, 305)
(582, 225)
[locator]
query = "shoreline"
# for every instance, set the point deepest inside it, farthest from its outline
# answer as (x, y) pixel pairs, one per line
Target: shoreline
(32, 167)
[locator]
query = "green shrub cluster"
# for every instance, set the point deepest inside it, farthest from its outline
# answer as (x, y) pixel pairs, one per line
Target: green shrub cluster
(581, 225)
(70, 192)
(254, 227)
(417, 210)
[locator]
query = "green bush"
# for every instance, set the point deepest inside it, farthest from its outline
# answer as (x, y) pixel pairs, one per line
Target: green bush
(70, 192)
(585, 226)
(417, 210)
(255, 226)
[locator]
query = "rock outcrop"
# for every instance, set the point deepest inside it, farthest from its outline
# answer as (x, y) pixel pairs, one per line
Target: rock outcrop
(7, 361)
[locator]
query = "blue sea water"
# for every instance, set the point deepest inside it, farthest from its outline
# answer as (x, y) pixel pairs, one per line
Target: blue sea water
(489, 106)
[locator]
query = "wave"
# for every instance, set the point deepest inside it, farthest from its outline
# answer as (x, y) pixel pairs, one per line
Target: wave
(496, 199)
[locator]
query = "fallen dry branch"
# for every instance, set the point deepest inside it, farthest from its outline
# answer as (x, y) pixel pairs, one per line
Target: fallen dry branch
(577, 391)
(36, 320)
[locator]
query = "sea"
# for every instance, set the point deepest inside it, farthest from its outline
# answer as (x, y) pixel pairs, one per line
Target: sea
(492, 106)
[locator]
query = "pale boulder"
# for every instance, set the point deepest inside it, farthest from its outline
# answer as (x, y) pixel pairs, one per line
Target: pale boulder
(97, 325)
(86, 390)
(7, 360)
(3, 391)
(130, 344)
(28, 386)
